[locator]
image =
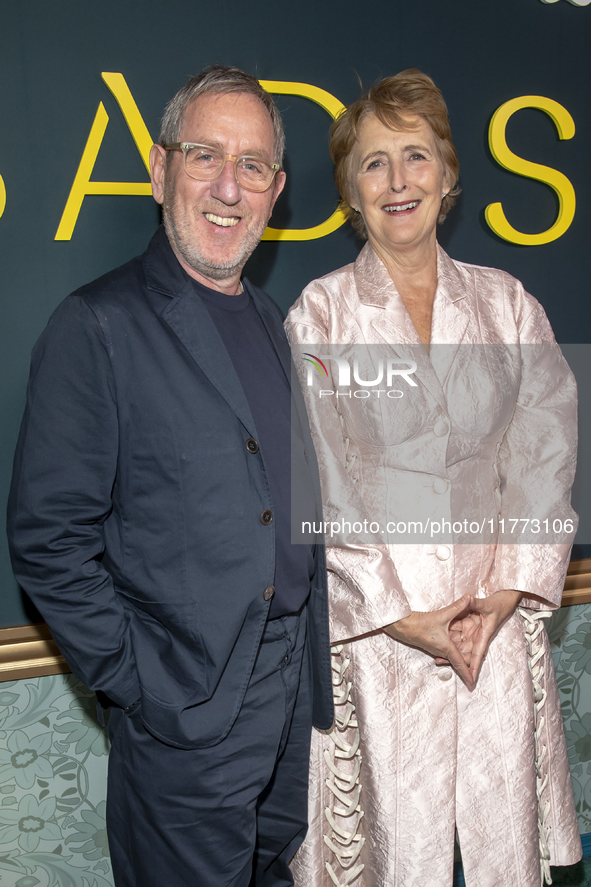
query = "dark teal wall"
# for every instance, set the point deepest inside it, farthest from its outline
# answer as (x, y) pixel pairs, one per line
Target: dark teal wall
(480, 53)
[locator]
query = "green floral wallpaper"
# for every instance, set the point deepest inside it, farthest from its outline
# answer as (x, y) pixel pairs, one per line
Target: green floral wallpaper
(570, 634)
(53, 764)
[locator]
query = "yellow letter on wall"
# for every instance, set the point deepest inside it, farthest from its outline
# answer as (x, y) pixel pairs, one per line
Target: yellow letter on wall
(334, 108)
(82, 185)
(2, 195)
(498, 145)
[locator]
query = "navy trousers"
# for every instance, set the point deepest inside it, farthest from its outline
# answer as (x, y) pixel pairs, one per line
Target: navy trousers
(231, 815)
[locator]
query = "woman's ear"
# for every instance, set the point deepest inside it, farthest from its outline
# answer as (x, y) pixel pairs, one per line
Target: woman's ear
(447, 182)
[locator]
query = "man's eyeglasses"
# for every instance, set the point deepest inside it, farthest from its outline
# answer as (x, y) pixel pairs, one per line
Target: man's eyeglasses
(205, 164)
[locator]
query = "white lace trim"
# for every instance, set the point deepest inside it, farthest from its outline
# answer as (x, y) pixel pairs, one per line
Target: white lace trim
(536, 652)
(344, 839)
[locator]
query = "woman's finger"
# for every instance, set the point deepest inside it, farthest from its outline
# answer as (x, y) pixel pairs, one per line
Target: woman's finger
(464, 671)
(479, 651)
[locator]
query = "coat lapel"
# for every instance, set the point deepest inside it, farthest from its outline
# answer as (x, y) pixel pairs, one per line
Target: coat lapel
(189, 319)
(383, 314)
(277, 335)
(274, 328)
(451, 315)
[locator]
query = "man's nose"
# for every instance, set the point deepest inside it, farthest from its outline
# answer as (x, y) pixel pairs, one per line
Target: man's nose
(225, 187)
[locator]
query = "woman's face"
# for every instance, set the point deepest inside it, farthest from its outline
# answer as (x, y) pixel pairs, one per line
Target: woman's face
(397, 179)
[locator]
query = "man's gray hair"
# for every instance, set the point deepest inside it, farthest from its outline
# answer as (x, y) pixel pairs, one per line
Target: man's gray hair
(219, 79)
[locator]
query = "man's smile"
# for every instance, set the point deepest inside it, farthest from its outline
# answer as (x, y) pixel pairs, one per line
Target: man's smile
(223, 221)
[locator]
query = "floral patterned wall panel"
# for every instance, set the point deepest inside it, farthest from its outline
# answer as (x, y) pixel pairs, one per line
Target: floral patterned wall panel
(53, 766)
(53, 769)
(570, 634)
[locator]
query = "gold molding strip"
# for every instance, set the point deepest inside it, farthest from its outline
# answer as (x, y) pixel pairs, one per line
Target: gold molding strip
(577, 588)
(29, 651)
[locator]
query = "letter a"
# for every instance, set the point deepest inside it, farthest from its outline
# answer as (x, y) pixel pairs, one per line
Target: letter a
(82, 185)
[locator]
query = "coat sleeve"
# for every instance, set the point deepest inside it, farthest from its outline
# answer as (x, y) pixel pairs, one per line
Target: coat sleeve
(536, 467)
(64, 472)
(364, 589)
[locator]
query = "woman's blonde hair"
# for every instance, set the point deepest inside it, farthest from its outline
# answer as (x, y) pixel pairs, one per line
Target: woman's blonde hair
(393, 100)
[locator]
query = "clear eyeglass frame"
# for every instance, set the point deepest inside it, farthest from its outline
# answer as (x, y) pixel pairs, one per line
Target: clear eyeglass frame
(241, 173)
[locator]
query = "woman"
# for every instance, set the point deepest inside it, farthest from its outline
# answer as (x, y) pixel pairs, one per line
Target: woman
(447, 708)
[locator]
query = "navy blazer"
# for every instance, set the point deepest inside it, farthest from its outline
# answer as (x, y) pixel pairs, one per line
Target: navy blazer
(135, 509)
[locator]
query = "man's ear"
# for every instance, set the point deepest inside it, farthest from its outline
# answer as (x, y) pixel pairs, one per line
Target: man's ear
(157, 171)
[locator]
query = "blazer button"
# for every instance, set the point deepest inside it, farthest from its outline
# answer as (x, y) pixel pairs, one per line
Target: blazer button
(251, 445)
(440, 485)
(269, 592)
(445, 673)
(442, 553)
(266, 517)
(440, 428)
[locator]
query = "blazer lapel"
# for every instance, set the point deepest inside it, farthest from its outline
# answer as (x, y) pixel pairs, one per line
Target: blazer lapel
(189, 319)
(274, 328)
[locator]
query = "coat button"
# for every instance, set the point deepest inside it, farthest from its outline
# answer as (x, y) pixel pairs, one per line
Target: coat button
(266, 517)
(251, 445)
(444, 673)
(442, 553)
(440, 428)
(440, 485)
(269, 592)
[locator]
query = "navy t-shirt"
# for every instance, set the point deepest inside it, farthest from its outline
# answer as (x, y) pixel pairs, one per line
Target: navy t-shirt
(267, 391)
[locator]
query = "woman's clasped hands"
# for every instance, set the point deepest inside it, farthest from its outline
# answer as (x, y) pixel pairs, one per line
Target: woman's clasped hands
(459, 634)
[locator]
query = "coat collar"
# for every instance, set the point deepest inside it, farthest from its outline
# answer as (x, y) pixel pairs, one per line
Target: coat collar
(163, 271)
(388, 317)
(376, 287)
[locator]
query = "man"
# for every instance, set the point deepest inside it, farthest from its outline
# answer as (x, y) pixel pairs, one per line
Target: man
(150, 509)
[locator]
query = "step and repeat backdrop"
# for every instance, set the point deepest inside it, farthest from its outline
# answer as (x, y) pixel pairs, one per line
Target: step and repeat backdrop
(83, 86)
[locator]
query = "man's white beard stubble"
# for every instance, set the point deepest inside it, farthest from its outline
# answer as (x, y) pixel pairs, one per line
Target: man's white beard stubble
(179, 233)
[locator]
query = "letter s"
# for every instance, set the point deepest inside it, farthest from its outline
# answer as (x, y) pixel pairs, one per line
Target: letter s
(565, 125)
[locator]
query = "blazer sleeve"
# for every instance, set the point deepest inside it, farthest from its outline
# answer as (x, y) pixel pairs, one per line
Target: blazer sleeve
(536, 467)
(64, 472)
(365, 592)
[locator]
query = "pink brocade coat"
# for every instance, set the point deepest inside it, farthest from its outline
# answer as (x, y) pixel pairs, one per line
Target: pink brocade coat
(414, 754)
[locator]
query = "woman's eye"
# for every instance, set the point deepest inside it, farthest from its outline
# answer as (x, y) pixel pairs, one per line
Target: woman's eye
(417, 156)
(374, 164)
